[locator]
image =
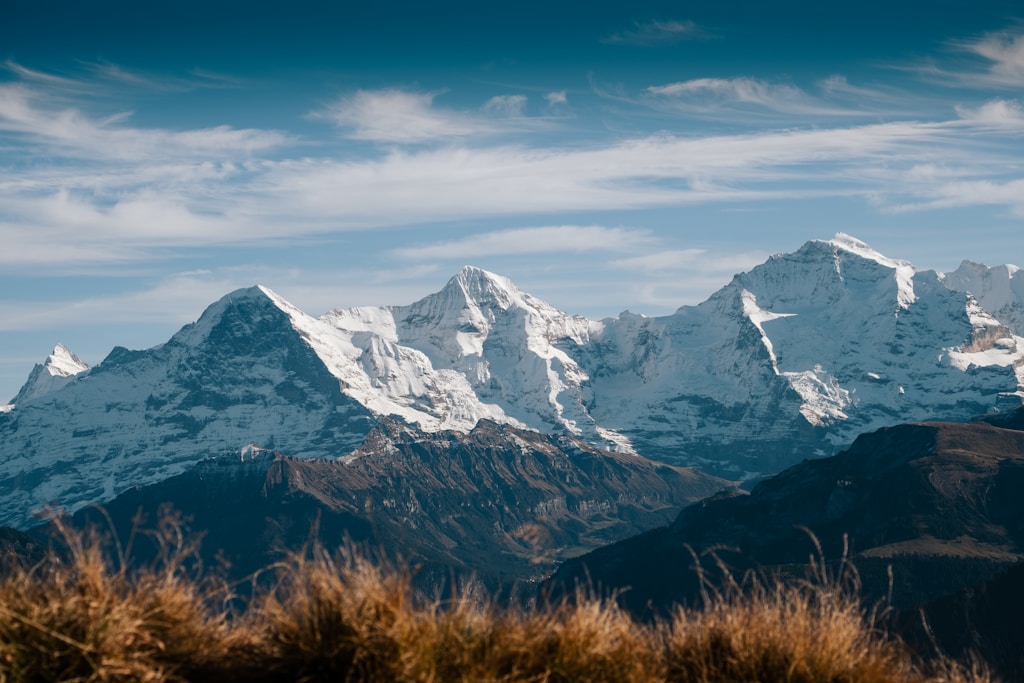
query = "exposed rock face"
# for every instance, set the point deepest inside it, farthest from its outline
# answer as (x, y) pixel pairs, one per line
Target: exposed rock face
(498, 502)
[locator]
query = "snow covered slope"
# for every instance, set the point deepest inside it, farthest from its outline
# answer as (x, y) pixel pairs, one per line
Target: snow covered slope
(798, 357)
(479, 348)
(238, 375)
(791, 360)
(60, 367)
(1000, 290)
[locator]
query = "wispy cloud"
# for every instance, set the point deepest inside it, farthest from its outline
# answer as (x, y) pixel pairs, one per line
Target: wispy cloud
(114, 192)
(996, 61)
(33, 75)
(180, 297)
(964, 193)
(653, 33)
(712, 94)
(535, 240)
(26, 111)
(668, 259)
(1005, 51)
(113, 72)
(403, 116)
(106, 78)
(206, 203)
(838, 86)
(666, 277)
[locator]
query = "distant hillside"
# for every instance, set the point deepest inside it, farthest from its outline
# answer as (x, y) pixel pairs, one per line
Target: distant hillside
(939, 502)
(499, 503)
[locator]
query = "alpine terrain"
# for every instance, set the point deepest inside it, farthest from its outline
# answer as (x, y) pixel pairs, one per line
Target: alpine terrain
(792, 359)
(930, 515)
(497, 503)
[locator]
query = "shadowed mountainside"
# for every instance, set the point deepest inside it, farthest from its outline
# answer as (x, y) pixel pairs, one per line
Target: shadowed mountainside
(938, 502)
(498, 502)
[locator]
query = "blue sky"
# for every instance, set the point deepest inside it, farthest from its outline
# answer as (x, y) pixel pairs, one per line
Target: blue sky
(605, 156)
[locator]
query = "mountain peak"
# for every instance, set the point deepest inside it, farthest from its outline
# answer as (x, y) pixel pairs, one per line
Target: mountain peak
(847, 241)
(480, 285)
(246, 307)
(63, 363)
(59, 368)
(851, 244)
(904, 270)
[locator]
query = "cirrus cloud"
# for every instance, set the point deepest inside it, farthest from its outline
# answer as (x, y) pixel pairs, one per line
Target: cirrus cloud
(652, 33)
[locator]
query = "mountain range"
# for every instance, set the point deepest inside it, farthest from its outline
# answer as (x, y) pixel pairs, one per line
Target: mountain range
(790, 360)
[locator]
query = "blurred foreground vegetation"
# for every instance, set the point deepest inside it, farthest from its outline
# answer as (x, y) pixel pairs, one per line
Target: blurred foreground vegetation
(86, 616)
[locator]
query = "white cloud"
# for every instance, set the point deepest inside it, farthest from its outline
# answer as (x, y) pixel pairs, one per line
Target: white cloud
(1005, 51)
(112, 192)
(33, 75)
(556, 97)
(113, 72)
(997, 112)
(838, 86)
(506, 105)
(653, 33)
(138, 209)
(71, 132)
(180, 298)
(536, 240)
(400, 116)
(1001, 63)
(462, 183)
(965, 193)
(714, 93)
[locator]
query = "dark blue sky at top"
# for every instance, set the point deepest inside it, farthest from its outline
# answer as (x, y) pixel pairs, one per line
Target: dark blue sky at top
(393, 40)
(296, 53)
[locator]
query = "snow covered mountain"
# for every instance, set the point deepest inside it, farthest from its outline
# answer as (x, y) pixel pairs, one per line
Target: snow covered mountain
(1000, 290)
(240, 374)
(798, 357)
(59, 368)
(793, 359)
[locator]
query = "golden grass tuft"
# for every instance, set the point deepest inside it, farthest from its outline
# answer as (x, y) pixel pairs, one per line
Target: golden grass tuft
(343, 617)
(90, 618)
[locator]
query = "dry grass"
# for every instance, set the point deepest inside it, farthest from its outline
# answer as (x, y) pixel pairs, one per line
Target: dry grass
(345, 618)
(90, 618)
